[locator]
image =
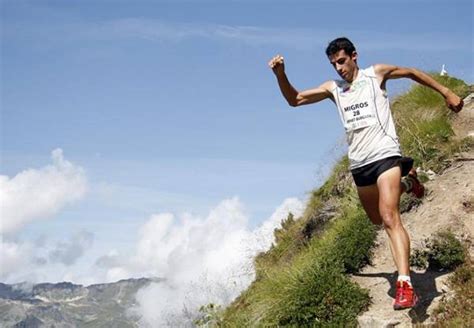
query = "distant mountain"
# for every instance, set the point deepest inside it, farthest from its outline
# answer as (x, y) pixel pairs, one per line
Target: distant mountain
(65, 304)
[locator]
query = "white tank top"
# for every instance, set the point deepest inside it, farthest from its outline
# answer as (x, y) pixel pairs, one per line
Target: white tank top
(365, 113)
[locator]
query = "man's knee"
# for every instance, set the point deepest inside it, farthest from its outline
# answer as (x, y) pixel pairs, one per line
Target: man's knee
(390, 218)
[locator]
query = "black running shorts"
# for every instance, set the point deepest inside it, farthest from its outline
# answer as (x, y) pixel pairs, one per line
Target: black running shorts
(368, 174)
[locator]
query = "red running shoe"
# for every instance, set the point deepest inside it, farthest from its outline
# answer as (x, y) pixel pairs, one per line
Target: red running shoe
(405, 296)
(418, 190)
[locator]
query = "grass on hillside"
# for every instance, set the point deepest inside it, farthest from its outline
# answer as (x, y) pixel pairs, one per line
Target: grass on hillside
(456, 311)
(423, 124)
(445, 252)
(302, 280)
(314, 290)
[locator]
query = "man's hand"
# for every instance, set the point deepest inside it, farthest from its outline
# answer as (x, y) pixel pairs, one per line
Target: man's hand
(454, 102)
(277, 65)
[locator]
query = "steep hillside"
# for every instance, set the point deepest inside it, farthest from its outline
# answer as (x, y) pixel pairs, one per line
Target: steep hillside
(301, 280)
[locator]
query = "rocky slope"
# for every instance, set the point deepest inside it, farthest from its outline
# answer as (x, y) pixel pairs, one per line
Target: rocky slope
(68, 305)
(449, 203)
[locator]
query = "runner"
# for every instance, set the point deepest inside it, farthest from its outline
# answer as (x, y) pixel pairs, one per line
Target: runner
(374, 150)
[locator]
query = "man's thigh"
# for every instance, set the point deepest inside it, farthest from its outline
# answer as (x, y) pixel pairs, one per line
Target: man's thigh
(369, 197)
(378, 186)
(388, 184)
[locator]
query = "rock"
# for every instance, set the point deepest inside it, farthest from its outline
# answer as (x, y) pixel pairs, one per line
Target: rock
(431, 175)
(469, 99)
(367, 321)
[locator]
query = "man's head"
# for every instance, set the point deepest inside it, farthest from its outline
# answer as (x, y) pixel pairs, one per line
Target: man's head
(343, 57)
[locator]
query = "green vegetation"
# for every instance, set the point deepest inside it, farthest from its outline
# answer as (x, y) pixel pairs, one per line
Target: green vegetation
(210, 315)
(302, 281)
(313, 290)
(443, 251)
(457, 311)
(423, 124)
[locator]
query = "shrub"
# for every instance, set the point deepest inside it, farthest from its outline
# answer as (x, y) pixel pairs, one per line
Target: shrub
(352, 241)
(442, 252)
(321, 297)
(419, 259)
(446, 251)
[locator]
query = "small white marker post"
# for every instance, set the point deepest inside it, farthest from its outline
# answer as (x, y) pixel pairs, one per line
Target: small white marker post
(443, 71)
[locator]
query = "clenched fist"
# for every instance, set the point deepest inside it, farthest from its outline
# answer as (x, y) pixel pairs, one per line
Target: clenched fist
(454, 102)
(277, 64)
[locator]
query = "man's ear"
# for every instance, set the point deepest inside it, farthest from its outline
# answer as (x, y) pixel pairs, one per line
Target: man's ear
(354, 56)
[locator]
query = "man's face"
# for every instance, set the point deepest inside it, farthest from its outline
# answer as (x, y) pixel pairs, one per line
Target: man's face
(344, 64)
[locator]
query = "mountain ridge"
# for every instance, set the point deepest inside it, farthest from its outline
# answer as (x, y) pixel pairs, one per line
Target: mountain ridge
(66, 304)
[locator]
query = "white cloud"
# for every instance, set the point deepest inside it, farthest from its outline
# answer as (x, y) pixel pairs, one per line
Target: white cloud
(202, 259)
(63, 260)
(13, 256)
(296, 38)
(68, 252)
(39, 193)
(112, 259)
(160, 30)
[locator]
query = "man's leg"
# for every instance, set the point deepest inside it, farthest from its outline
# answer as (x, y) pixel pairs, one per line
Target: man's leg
(388, 184)
(381, 203)
(389, 189)
(369, 197)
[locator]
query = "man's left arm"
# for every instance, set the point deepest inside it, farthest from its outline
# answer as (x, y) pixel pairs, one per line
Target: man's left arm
(386, 72)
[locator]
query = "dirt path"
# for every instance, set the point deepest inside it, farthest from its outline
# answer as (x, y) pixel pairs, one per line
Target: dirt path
(449, 203)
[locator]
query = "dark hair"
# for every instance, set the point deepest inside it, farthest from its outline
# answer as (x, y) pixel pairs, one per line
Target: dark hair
(340, 44)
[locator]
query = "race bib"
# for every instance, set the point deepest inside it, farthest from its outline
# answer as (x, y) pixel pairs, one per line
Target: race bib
(359, 115)
(357, 106)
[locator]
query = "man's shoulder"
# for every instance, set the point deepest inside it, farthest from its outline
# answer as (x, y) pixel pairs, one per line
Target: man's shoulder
(370, 71)
(330, 85)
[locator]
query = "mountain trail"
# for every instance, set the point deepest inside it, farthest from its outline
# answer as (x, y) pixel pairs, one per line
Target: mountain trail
(448, 203)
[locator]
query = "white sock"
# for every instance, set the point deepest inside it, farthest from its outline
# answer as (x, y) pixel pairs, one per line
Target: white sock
(404, 278)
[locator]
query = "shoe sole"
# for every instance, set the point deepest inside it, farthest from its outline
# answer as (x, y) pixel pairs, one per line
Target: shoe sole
(401, 307)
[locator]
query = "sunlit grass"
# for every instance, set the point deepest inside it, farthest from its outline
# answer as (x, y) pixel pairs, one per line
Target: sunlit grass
(424, 123)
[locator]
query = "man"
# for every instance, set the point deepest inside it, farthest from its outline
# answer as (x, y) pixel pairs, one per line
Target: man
(374, 150)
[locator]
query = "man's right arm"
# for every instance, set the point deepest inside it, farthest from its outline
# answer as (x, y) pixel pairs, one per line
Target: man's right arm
(293, 96)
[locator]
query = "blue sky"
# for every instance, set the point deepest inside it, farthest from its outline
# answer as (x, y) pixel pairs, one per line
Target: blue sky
(169, 107)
